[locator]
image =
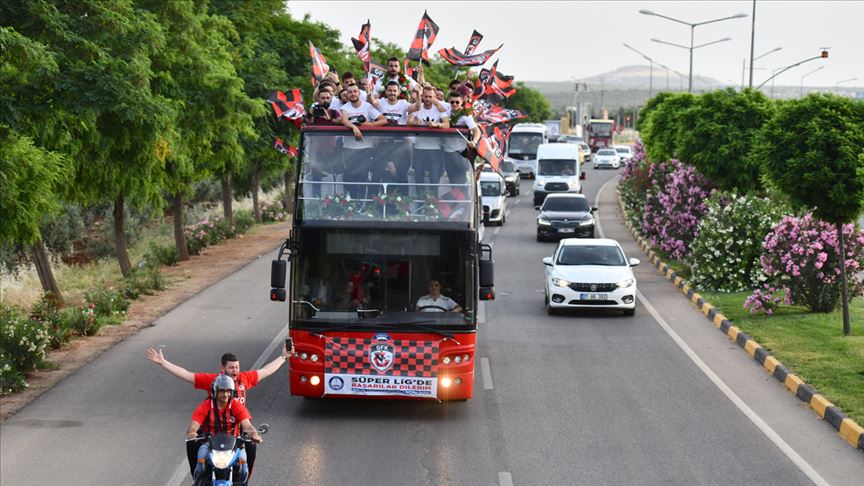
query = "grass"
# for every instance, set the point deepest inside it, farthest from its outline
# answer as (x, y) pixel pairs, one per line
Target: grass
(811, 345)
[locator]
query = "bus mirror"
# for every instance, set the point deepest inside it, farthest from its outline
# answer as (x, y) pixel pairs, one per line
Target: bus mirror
(487, 273)
(278, 295)
(278, 269)
(487, 293)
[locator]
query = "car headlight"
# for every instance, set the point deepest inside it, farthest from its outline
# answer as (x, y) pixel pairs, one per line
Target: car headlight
(221, 459)
(543, 222)
(574, 183)
(541, 182)
(589, 221)
(560, 282)
(626, 283)
(510, 178)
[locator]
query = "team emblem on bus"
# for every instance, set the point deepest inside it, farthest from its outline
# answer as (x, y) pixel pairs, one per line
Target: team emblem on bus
(381, 356)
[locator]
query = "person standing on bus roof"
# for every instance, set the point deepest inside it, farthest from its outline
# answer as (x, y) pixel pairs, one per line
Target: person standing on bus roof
(434, 301)
(427, 150)
(358, 151)
(454, 162)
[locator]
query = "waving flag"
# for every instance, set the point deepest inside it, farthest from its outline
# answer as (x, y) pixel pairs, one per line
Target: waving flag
(456, 58)
(319, 64)
(490, 151)
(496, 114)
(289, 105)
(423, 39)
(376, 72)
(363, 43)
(476, 37)
(493, 86)
(289, 150)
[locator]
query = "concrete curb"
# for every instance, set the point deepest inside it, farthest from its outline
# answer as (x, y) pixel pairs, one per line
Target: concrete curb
(848, 429)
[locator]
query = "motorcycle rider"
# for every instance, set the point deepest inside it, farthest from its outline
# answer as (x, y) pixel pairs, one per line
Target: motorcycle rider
(222, 414)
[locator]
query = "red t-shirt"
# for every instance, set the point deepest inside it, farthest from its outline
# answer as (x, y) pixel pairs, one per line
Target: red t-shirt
(246, 380)
(227, 420)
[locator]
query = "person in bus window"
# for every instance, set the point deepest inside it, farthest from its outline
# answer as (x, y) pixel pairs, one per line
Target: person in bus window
(434, 301)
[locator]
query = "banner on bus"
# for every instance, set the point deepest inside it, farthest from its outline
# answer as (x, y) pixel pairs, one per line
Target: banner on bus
(380, 366)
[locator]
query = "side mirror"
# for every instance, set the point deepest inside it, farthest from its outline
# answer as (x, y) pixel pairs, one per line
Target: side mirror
(487, 293)
(537, 208)
(487, 273)
(583, 176)
(634, 262)
(547, 261)
(593, 209)
(278, 270)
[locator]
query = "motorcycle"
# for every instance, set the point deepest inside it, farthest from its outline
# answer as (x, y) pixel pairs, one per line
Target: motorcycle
(222, 459)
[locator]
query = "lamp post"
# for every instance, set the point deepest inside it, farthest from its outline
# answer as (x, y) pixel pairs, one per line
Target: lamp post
(801, 93)
(692, 33)
(743, 68)
(651, 75)
(779, 71)
(837, 86)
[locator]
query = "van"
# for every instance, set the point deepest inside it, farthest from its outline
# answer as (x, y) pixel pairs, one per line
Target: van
(558, 170)
(494, 195)
(522, 146)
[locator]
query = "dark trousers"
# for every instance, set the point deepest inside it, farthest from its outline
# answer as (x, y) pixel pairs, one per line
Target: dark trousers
(359, 163)
(428, 161)
(456, 167)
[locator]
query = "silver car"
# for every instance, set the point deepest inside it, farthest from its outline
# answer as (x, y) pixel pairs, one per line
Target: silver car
(607, 158)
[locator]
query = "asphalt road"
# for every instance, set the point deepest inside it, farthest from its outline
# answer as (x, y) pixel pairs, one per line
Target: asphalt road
(592, 398)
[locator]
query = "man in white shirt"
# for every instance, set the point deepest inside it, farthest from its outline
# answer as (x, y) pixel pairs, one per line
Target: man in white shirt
(358, 151)
(435, 302)
(427, 150)
(455, 164)
(394, 71)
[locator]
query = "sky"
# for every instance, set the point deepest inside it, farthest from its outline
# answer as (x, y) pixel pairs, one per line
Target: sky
(559, 41)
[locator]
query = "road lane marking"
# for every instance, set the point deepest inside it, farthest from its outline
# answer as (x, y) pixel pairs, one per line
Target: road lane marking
(766, 429)
(505, 479)
(486, 374)
(180, 472)
(481, 312)
(496, 230)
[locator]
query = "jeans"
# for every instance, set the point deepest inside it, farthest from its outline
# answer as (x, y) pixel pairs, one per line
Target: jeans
(241, 468)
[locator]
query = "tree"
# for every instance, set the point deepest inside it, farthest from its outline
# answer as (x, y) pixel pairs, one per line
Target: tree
(812, 149)
(661, 128)
(531, 102)
(31, 174)
(716, 133)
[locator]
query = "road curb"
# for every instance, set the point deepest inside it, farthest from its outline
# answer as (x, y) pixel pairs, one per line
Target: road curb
(847, 428)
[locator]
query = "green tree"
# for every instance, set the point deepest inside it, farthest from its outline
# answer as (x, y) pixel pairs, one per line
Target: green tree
(32, 169)
(660, 132)
(716, 133)
(812, 149)
(531, 102)
(650, 105)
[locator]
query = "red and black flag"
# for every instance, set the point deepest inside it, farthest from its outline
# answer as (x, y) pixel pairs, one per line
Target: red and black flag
(289, 150)
(493, 85)
(363, 45)
(456, 58)
(423, 39)
(476, 37)
(288, 105)
(409, 70)
(376, 72)
(319, 64)
(496, 114)
(490, 151)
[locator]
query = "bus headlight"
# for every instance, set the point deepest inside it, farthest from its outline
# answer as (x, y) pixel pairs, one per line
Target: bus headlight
(446, 360)
(457, 359)
(303, 356)
(315, 380)
(314, 358)
(445, 382)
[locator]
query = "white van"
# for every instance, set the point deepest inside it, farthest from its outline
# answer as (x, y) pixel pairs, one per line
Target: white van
(494, 195)
(522, 146)
(558, 170)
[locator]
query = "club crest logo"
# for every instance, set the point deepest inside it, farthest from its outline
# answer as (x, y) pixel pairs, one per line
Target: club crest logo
(381, 355)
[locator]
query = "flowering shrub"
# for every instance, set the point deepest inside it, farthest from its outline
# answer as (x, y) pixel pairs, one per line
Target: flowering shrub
(768, 300)
(635, 184)
(210, 232)
(106, 302)
(47, 311)
(273, 212)
(11, 380)
(725, 254)
(22, 341)
(82, 319)
(803, 255)
(670, 217)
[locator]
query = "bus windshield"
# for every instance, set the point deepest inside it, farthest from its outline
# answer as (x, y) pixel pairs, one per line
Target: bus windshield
(357, 278)
(556, 167)
(390, 177)
(524, 144)
(601, 129)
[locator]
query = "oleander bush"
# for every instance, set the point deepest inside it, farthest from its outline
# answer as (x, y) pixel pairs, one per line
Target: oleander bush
(801, 258)
(635, 184)
(725, 256)
(671, 215)
(48, 312)
(23, 341)
(106, 302)
(142, 281)
(273, 212)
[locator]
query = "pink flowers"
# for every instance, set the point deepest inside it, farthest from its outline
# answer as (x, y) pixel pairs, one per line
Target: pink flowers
(803, 255)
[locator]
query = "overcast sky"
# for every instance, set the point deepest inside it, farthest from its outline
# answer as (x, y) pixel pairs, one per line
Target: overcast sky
(551, 41)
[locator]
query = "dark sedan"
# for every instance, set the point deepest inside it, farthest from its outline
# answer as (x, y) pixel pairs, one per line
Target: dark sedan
(565, 216)
(511, 177)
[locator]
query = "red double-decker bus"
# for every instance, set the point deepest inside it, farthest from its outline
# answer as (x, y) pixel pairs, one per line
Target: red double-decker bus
(600, 134)
(377, 222)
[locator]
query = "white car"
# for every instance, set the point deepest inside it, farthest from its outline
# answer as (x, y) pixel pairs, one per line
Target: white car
(493, 192)
(625, 152)
(607, 157)
(590, 274)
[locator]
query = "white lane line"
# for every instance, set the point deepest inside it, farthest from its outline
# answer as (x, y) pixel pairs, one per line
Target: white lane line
(766, 429)
(498, 229)
(180, 472)
(486, 374)
(481, 312)
(505, 479)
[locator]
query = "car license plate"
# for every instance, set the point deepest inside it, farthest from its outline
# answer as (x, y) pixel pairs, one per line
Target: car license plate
(592, 297)
(566, 230)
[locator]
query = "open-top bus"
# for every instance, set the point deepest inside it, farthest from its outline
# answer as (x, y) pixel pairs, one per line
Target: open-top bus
(375, 221)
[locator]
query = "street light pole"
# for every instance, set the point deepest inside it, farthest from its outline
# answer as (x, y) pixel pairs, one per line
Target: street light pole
(752, 43)
(801, 93)
(837, 86)
(823, 55)
(692, 36)
(743, 68)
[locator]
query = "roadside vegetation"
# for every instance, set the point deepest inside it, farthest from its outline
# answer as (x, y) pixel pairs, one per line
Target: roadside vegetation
(755, 203)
